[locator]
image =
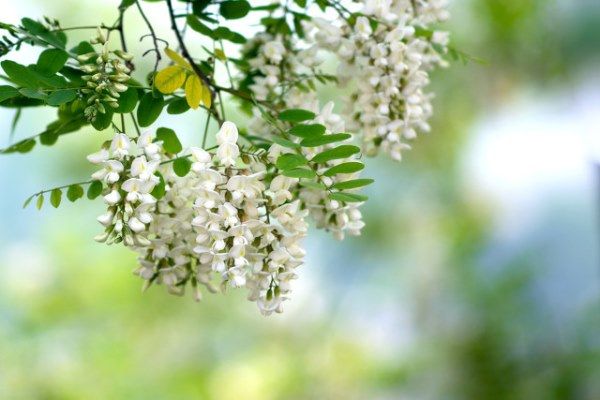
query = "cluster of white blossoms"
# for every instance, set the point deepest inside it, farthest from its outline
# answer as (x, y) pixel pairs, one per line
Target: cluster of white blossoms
(276, 65)
(237, 225)
(129, 180)
(105, 77)
(387, 53)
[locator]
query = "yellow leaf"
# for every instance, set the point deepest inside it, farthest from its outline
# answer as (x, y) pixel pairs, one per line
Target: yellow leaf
(177, 58)
(220, 54)
(169, 79)
(193, 91)
(206, 96)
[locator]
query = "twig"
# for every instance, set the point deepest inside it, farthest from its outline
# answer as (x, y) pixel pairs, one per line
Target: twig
(152, 34)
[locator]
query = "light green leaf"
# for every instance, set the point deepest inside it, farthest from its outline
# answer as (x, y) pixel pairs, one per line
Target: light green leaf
(348, 197)
(55, 197)
(285, 143)
(61, 97)
(74, 192)
(300, 173)
(296, 115)
(160, 189)
(345, 168)
(40, 202)
(325, 139)
(307, 131)
(353, 184)
(33, 93)
(289, 161)
(343, 151)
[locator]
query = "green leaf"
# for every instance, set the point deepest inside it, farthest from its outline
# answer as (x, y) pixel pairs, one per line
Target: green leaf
(290, 161)
(344, 168)
(33, 93)
(19, 74)
(348, 197)
(325, 139)
(125, 4)
(103, 120)
(313, 185)
(300, 173)
(160, 189)
(94, 190)
(149, 109)
(343, 151)
(285, 143)
(178, 106)
(296, 115)
(234, 9)
(61, 97)
(307, 131)
(74, 192)
(127, 101)
(301, 3)
(51, 61)
(182, 166)
(40, 202)
(26, 203)
(55, 197)
(171, 142)
(194, 23)
(353, 184)
(7, 92)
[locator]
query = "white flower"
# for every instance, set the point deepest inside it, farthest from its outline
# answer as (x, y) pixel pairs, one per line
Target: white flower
(99, 157)
(138, 190)
(201, 159)
(120, 145)
(227, 154)
(143, 168)
(228, 133)
(112, 198)
(274, 51)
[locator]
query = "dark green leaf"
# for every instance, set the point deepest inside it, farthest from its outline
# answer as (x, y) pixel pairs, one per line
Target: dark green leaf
(51, 61)
(353, 184)
(300, 173)
(194, 23)
(149, 109)
(103, 120)
(160, 189)
(290, 161)
(343, 151)
(127, 101)
(348, 197)
(178, 106)
(307, 131)
(61, 97)
(324, 139)
(234, 9)
(7, 92)
(301, 3)
(94, 190)
(19, 74)
(296, 115)
(74, 192)
(56, 197)
(171, 142)
(344, 168)
(126, 4)
(182, 166)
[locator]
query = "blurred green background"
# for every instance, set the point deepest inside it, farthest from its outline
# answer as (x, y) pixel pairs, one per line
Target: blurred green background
(477, 277)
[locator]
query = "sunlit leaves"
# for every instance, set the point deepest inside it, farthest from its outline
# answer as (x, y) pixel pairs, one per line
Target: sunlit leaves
(74, 192)
(193, 91)
(348, 197)
(352, 184)
(56, 197)
(344, 168)
(300, 173)
(177, 58)
(170, 79)
(289, 161)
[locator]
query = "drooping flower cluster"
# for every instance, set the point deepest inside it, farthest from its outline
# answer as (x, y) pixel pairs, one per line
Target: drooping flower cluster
(221, 222)
(387, 53)
(130, 180)
(105, 77)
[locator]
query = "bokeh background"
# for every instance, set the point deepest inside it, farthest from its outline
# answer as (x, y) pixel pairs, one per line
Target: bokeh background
(477, 277)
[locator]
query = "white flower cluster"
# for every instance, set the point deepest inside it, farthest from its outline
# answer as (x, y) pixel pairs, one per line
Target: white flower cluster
(106, 76)
(387, 53)
(221, 221)
(130, 179)
(278, 65)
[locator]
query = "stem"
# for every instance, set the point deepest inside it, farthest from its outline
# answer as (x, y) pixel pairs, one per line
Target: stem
(152, 34)
(60, 187)
(135, 124)
(205, 130)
